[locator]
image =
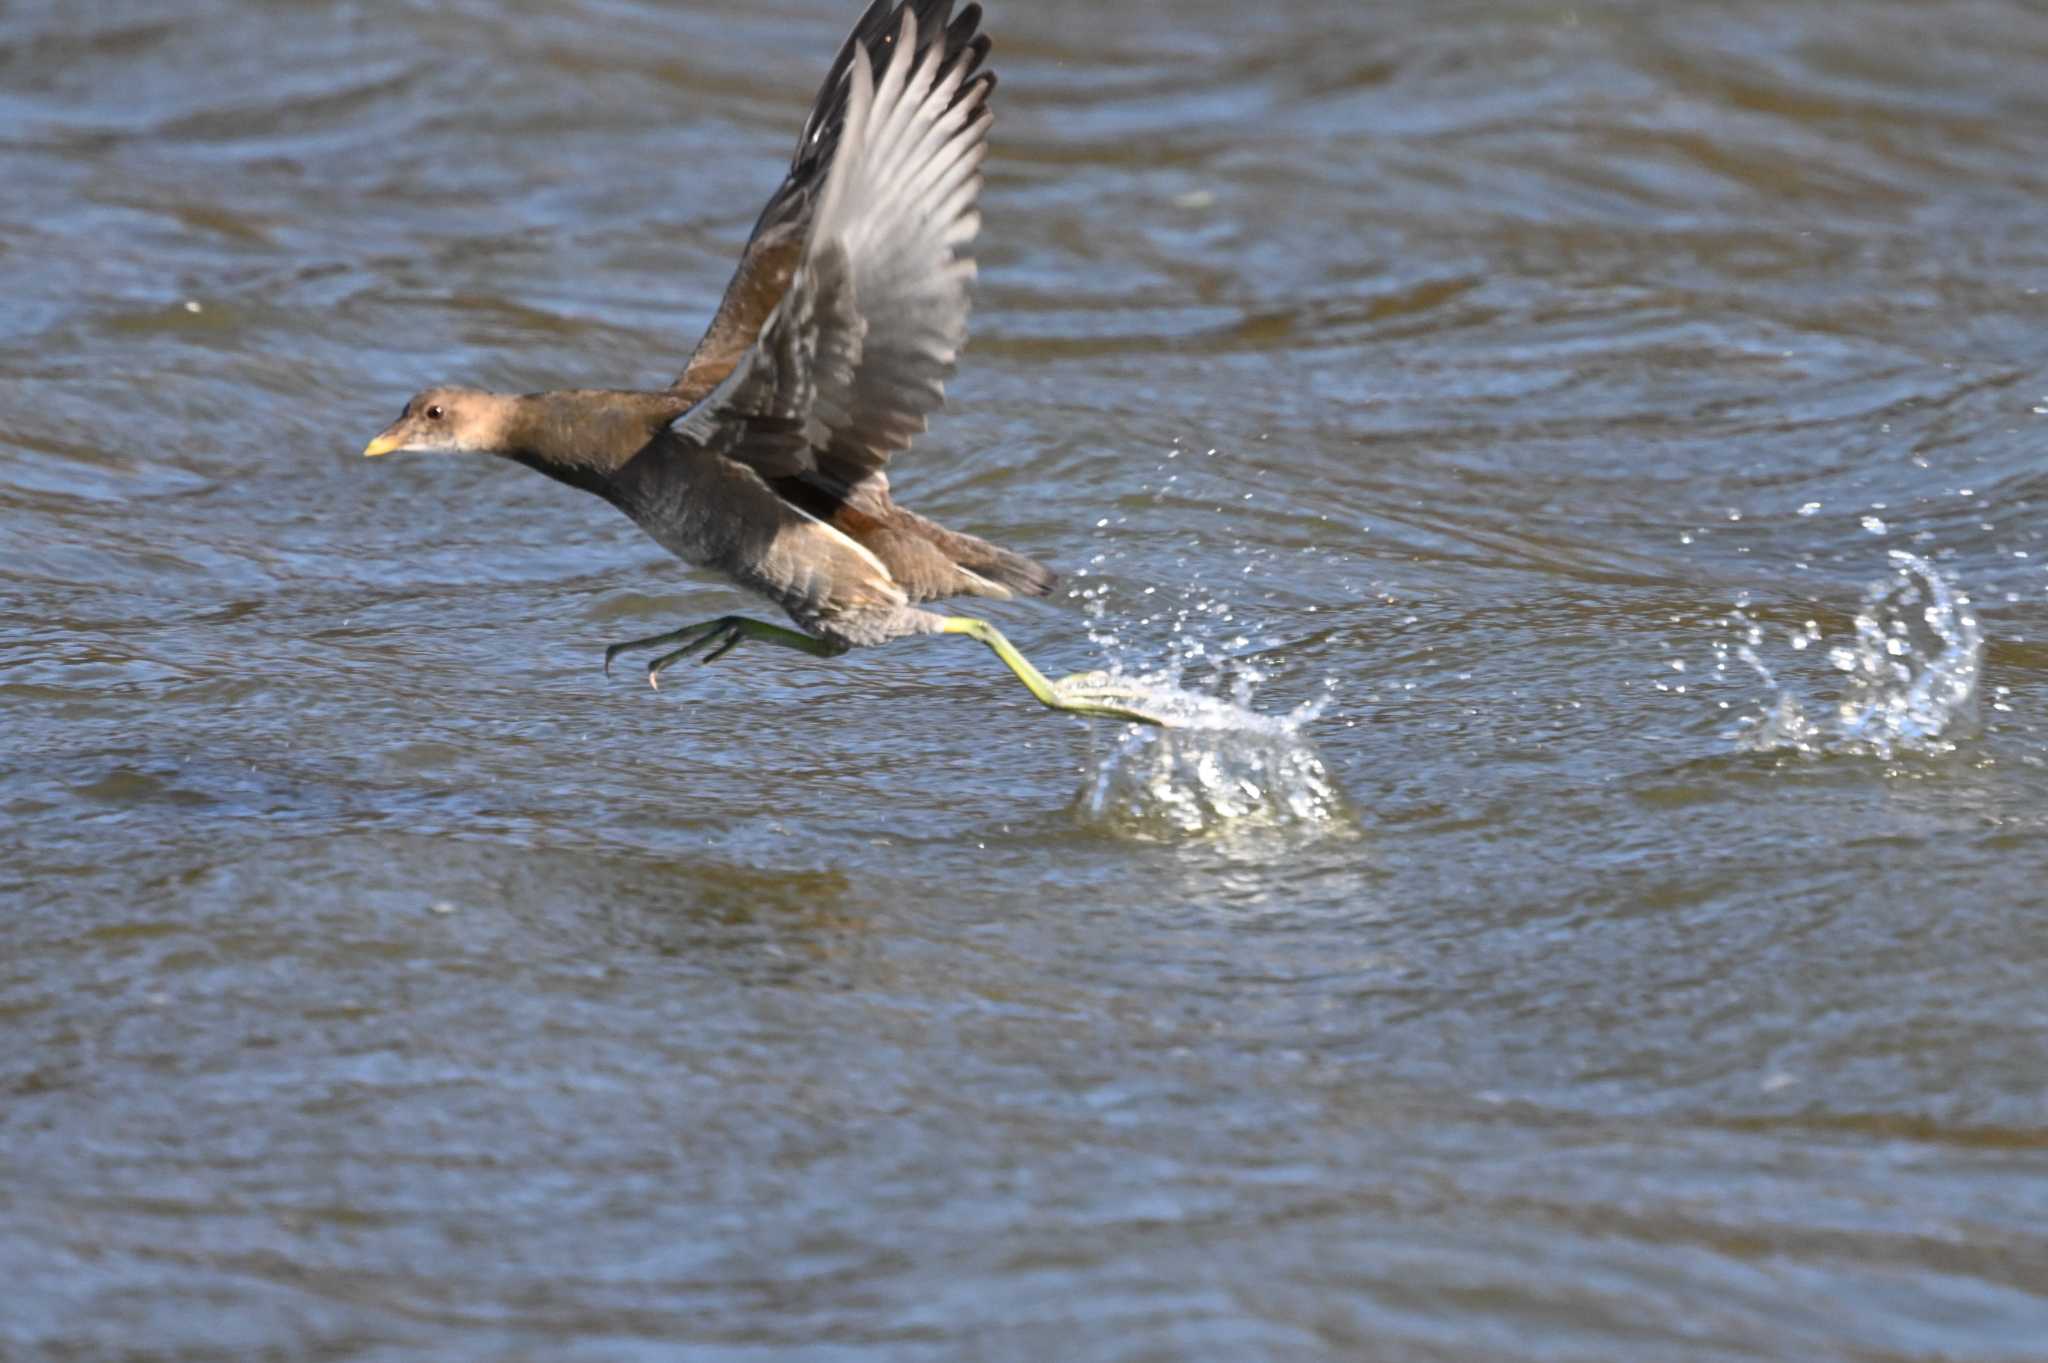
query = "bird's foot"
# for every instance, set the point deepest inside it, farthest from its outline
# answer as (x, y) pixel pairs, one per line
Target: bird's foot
(1105, 695)
(1095, 694)
(715, 639)
(721, 636)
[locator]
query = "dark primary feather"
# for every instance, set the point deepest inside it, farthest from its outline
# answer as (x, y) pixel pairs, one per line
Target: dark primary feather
(872, 309)
(777, 239)
(875, 34)
(868, 329)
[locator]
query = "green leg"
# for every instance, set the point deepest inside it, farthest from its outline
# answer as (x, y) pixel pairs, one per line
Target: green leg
(1091, 693)
(719, 637)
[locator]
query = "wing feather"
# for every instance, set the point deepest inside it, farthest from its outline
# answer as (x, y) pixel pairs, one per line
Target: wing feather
(856, 350)
(766, 266)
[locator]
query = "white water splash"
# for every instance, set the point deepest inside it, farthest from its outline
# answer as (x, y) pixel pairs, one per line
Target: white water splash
(1221, 768)
(1907, 680)
(1191, 644)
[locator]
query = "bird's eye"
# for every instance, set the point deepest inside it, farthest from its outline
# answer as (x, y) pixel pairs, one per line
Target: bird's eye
(433, 413)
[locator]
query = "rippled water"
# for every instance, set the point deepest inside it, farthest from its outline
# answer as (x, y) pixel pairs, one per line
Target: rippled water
(1463, 388)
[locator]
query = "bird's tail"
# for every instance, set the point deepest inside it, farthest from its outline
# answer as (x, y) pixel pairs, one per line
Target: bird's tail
(1010, 573)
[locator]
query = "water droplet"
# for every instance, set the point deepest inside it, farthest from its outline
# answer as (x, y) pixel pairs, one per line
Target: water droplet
(1912, 673)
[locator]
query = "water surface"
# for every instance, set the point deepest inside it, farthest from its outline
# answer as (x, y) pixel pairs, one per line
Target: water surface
(1504, 389)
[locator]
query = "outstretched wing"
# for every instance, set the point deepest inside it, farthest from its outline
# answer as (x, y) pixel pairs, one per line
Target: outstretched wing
(853, 357)
(777, 242)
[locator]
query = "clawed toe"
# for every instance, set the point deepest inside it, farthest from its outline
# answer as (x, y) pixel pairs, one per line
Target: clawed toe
(611, 654)
(720, 633)
(720, 637)
(1104, 695)
(1100, 688)
(715, 639)
(728, 639)
(1107, 685)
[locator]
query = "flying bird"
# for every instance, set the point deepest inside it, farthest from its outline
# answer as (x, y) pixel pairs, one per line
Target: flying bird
(767, 459)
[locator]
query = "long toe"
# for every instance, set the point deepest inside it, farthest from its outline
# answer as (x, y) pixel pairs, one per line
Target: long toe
(688, 635)
(1102, 688)
(612, 651)
(725, 646)
(1118, 711)
(720, 637)
(1104, 695)
(661, 664)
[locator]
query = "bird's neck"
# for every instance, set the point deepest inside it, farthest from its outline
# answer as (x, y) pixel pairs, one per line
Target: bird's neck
(585, 437)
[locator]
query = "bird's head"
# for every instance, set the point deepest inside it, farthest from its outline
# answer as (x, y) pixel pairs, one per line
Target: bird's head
(449, 421)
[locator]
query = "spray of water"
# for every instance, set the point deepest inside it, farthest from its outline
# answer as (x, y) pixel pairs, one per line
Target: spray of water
(1905, 683)
(1222, 768)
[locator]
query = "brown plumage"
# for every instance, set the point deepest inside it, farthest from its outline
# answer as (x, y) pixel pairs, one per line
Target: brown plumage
(766, 460)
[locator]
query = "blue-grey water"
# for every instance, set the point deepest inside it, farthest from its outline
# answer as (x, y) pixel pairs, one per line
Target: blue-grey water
(1606, 441)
